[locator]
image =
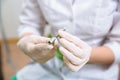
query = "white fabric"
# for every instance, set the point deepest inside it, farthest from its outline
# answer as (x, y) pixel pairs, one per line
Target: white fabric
(94, 21)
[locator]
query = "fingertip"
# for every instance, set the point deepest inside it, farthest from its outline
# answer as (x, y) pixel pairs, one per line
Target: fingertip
(61, 49)
(50, 46)
(56, 43)
(60, 32)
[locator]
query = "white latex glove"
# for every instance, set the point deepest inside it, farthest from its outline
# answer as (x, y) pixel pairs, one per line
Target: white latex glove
(76, 53)
(37, 48)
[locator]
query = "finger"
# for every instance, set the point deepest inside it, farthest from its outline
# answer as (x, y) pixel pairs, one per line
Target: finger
(71, 47)
(29, 42)
(33, 49)
(70, 66)
(38, 48)
(40, 54)
(39, 39)
(43, 47)
(72, 38)
(43, 40)
(56, 43)
(73, 59)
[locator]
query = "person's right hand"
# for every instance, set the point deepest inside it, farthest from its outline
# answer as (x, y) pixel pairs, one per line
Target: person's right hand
(37, 48)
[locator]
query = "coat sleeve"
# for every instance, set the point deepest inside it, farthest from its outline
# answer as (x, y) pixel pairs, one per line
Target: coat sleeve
(31, 18)
(113, 38)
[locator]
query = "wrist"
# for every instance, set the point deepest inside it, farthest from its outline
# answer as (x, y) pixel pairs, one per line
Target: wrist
(101, 55)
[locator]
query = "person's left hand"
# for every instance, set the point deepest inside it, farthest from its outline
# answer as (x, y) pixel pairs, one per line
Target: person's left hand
(76, 53)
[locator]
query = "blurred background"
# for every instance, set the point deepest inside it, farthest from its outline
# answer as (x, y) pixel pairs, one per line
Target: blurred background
(11, 58)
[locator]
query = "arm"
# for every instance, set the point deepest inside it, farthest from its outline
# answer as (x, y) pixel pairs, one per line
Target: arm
(76, 53)
(31, 19)
(31, 27)
(110, 51)
(103, 55)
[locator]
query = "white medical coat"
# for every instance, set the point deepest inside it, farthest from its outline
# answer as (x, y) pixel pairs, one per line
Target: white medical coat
(97, 22)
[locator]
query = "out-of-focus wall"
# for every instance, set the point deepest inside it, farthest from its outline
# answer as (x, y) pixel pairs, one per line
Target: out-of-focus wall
(10, 13)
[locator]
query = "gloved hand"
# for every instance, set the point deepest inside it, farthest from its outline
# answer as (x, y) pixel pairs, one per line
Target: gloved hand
(37, 48)
(76, 53)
